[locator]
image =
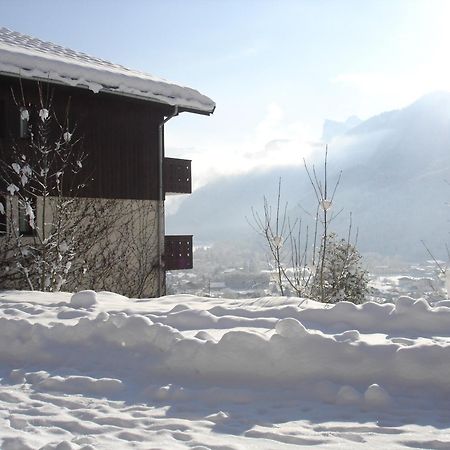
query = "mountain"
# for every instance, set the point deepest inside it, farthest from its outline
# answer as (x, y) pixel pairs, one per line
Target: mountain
(332, 129)
(395, 167)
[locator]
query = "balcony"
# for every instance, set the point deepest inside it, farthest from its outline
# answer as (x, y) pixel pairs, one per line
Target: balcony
(178, 252)
(177, 176)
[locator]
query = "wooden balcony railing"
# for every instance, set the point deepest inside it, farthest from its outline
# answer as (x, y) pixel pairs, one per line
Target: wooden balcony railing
(177, 176)
(178, 252)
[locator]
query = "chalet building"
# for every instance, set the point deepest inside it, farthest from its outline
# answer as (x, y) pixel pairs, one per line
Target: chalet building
(120, 114)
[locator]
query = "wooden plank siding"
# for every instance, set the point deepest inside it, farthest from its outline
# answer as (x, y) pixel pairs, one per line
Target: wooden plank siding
(119, 135)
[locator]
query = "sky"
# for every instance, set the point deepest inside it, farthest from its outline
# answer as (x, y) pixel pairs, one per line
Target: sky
(275, 68)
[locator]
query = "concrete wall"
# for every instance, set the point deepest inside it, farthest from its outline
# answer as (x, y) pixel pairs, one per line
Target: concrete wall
(117, 244)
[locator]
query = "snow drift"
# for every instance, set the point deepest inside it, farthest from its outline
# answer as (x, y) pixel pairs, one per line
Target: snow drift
(372, 357)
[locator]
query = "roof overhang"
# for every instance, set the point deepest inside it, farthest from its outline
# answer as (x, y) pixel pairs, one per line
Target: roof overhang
(28, 58)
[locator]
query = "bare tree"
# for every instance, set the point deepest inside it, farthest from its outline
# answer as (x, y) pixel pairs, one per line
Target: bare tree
(273, 230)
(38, 174)
(321, 266)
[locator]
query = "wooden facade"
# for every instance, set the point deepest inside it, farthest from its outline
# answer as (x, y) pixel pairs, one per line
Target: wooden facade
(120, 135)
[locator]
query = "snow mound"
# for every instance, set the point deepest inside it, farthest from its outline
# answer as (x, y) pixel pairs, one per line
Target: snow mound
(347, 395)
(290, 328)
(83, 299)
(376, 397)
(283, 350)
(223, 356)
(80, 385)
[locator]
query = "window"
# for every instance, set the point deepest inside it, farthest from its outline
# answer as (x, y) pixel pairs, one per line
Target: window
(24, 119)
(2, 214)
(2, 119)
(27, 214)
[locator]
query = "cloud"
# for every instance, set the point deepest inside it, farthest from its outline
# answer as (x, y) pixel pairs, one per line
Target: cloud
(274, 140)
(388, 90)
(364, 81)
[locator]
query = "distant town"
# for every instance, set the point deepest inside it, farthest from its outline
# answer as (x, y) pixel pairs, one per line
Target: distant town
(232, 271)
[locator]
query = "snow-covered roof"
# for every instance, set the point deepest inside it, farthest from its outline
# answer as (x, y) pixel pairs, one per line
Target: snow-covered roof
(27, 57)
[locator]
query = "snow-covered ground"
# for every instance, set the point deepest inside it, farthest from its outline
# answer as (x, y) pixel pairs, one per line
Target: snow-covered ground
(101, 371)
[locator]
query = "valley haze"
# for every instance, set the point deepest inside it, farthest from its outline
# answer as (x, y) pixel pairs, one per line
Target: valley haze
(396, 168)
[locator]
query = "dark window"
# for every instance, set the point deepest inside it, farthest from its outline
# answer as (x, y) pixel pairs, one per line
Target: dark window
(2, 119)
(27, 217)
(2, 214)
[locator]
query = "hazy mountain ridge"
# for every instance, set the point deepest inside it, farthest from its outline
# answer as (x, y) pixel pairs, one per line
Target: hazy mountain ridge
(332, 128)
(394, 169)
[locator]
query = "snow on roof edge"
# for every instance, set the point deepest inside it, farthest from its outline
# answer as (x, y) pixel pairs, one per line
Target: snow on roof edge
(34, 59)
